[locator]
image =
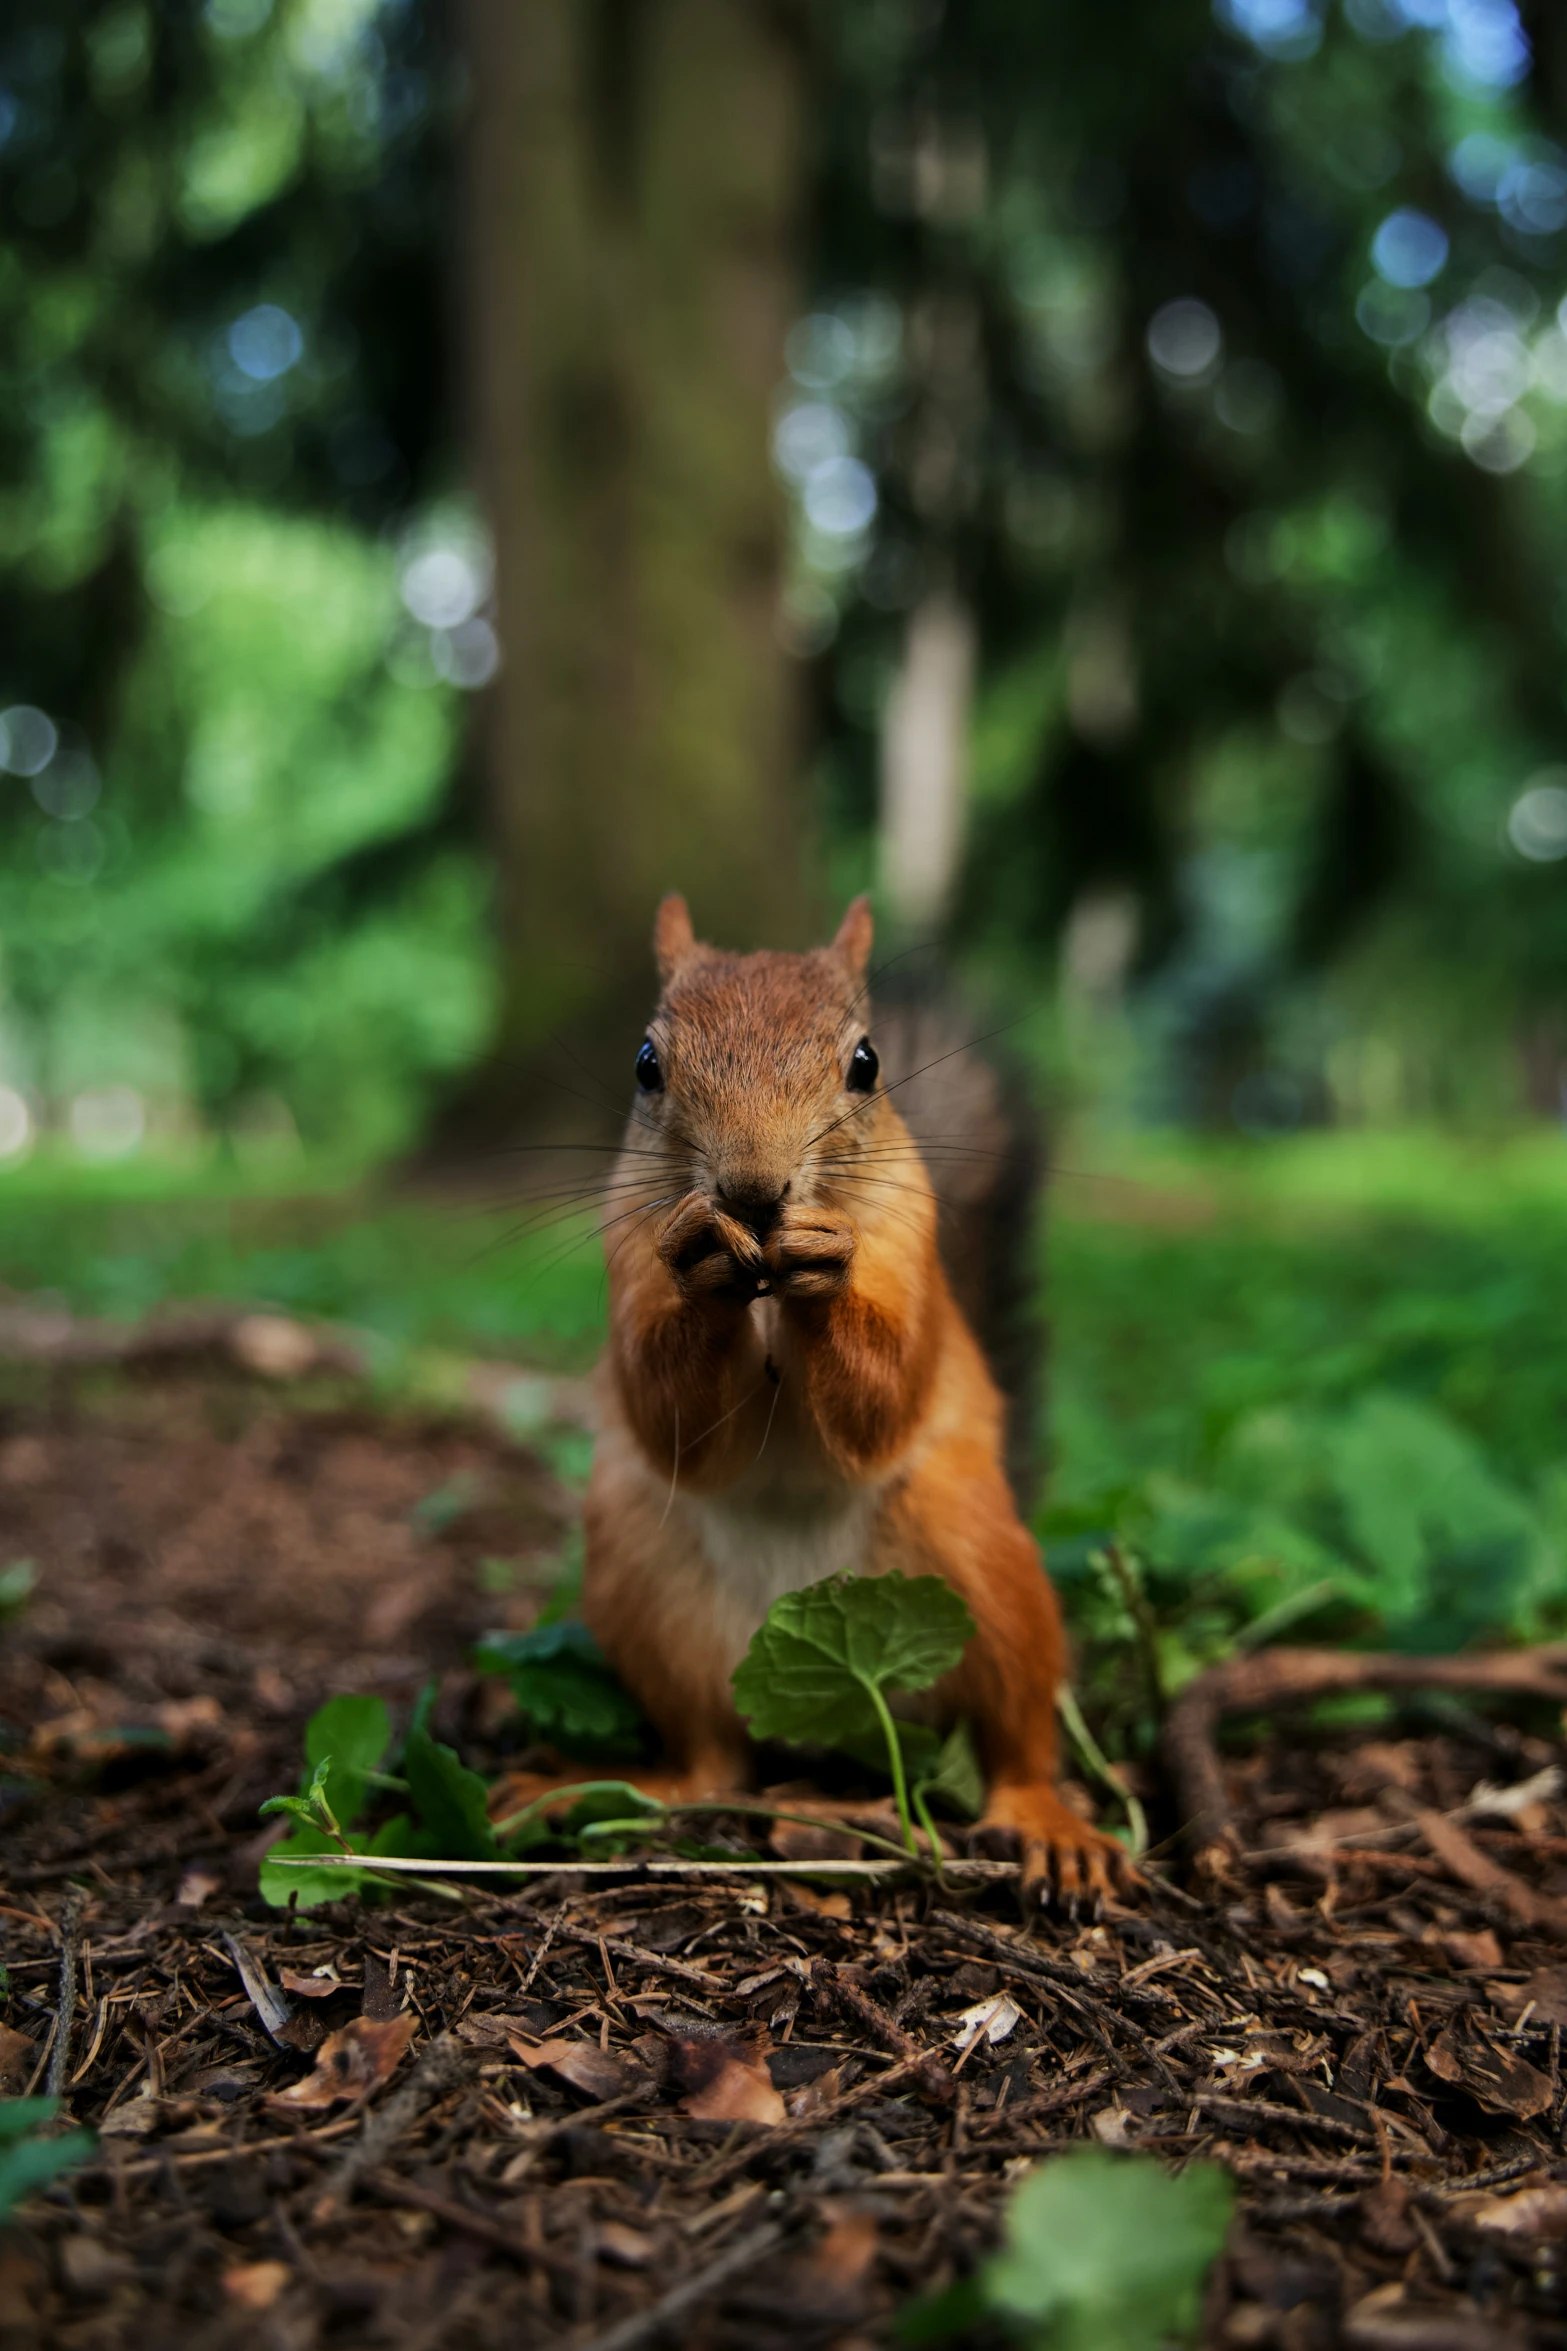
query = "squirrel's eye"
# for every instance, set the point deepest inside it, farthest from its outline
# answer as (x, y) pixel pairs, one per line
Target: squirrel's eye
(649, 1075)
(863, 1066)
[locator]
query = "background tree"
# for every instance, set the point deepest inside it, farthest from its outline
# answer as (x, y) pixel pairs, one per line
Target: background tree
(1175, 425)
(633, 178)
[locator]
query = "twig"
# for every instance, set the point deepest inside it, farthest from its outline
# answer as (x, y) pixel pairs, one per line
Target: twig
(1288, 1677)
(643, 2325)
(633, 1865)
(542, 1953)
(65, 2010)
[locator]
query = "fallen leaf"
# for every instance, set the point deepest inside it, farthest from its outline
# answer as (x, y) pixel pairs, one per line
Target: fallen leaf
(18, 2056)
(352, 2062)
(256, 2285)
(990, 2019)
(1539, 2211)
(725, 2079)
(803, 1897)
(845, 2253)
(581, 2063)
(197, 1885)
(1112, 2126)
(814, 2096)
(1545, 1992)
(1480, 1950)
(134, 2119)
(319, 1986)
(627, 2248)
(1501, 2082)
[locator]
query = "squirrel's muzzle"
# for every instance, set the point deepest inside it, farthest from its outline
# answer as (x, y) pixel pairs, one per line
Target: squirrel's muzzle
(754, 1199)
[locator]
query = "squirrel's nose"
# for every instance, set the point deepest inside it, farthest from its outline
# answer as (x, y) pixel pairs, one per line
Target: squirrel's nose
(756, 1200)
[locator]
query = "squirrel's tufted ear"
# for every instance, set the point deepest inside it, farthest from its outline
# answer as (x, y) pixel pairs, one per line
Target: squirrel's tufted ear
(673, 937)
(855, 934)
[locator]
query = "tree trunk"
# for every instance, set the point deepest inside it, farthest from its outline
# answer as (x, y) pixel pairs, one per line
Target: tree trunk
(632, 178)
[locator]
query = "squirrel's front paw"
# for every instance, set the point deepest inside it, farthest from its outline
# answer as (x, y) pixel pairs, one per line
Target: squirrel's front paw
(810, 1254)
(708, 1254)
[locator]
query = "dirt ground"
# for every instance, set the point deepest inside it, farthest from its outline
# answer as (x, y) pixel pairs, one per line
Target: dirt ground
(612, 2113)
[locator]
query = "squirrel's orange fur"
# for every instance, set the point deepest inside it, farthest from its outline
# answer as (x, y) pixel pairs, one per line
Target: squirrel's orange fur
(790, 1391)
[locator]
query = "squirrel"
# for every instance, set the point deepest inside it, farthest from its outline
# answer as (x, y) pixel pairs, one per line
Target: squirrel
(790, 1390)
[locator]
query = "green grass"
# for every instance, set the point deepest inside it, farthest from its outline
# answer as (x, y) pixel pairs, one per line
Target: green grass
(1327, 1372)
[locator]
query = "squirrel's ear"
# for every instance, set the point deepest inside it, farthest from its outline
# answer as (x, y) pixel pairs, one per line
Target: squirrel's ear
(855, 934)
(673, 937)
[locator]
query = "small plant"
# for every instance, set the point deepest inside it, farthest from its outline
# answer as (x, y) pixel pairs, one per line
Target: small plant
(1101, 2252)
(820, 1668)
(346, 1742)
(28, 2159)
(568, 1694)
(818, 1672)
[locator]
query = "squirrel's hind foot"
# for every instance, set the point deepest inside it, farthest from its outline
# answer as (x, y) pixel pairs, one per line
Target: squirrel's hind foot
(1066, 1862)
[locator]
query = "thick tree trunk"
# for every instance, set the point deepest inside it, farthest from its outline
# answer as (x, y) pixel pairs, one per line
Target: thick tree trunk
(632, 196)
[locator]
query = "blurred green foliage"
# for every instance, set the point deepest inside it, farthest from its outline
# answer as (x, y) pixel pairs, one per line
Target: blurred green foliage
(1209, 352)
(232, 891)
(1293, 1387)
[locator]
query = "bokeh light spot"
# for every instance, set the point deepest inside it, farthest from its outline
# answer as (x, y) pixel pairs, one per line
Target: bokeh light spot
(809, 434)
(840, 498)
(443, 586)
(28, 738)
(1185, 340)
(467, 656)
(16, 1125)
(265, 343)
(1410, 248)
(1537, 820)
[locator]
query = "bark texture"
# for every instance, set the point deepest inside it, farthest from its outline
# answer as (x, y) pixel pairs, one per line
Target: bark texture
(632, 178)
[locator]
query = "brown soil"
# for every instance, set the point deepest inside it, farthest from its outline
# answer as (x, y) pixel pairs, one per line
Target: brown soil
(1368, 2041)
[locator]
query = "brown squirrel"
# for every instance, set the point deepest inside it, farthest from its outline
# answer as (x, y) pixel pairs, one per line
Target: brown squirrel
(790, 1390)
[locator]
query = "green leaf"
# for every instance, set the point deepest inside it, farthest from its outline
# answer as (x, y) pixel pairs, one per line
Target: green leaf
(957, 1778)
(561, 1683)
(21, 2115)
(27, 2163)
(16, 1586)
(1105, 2252)
(451, 1801)
(919, 1746)
(807, 1675)
(301, 1807)
(309, 1887)
(345, 1739)
(936, 2318)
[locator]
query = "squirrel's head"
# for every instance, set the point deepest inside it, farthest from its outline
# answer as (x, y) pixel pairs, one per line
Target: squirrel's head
(757, 1072)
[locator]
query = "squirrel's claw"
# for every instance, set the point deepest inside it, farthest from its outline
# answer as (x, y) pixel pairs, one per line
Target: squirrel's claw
(1065, 1863)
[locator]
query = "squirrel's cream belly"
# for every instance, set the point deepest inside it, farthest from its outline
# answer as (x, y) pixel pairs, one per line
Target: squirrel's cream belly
(756, 1550)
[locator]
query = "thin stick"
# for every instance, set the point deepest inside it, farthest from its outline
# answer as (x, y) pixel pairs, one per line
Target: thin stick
(975, 1872)
(70, 1939)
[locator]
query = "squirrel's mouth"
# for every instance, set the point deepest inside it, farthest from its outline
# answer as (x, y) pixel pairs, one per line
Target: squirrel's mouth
(759, 1208)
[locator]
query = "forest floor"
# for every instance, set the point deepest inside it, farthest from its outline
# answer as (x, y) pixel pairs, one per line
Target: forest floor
(734, 2112)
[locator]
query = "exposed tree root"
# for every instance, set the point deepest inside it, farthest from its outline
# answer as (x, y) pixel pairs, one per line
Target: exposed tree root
(1289, 1677)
